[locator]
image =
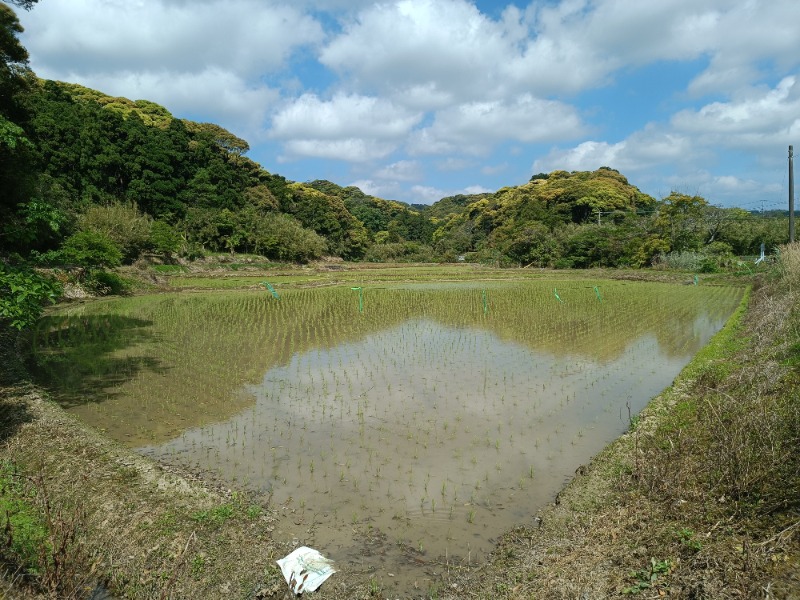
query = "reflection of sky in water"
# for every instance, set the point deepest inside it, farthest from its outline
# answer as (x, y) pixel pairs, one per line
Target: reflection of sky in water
(429, 433)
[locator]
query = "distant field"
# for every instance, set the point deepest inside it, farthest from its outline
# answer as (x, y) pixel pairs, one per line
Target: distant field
(224, 277)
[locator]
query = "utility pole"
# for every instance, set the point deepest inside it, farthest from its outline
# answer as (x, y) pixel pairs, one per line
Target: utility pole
(791, 195)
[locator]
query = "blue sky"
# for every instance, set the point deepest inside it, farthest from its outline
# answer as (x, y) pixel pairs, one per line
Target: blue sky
(415, 100)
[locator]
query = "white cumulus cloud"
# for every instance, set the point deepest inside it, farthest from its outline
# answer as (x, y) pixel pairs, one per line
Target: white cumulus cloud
(753, 117)
(476, 126)
(651, 147)
(347, 127)
(403, 170)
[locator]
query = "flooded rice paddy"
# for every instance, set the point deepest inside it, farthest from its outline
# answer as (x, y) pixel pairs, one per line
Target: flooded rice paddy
(400, 433)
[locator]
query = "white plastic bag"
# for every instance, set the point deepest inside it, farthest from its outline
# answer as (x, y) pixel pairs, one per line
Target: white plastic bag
(305, 569)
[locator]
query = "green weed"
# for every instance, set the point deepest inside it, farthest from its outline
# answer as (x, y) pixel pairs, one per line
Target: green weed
(215, 516)
(688, 539)
(23, 529)
(40, 538)
(649, 577)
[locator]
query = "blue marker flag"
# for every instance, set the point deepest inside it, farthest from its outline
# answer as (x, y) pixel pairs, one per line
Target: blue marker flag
(271, 289)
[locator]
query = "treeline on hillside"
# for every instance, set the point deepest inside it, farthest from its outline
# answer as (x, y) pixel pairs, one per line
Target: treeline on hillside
(589, 219)
(109, 179)
(104, 169)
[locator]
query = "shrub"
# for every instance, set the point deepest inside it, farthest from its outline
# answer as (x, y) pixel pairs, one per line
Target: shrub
(164, 239)
(123, 224)
(104, 283)
(400, 252)
(40, 538)
(685, 260)
(91, 249)
(23, 293)
(281, 237)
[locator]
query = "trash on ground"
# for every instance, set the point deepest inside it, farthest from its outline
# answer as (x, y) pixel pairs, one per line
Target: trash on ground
(305, 569)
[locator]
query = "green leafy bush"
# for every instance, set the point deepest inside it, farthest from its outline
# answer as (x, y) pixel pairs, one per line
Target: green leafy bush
(23, 293)
(164, 239)
(91, 249)
(124, 224)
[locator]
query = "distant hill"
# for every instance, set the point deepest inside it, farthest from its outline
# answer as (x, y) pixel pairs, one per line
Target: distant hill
(591, 218)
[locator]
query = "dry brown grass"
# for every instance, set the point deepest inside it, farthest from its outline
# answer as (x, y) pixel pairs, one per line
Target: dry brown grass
(789, 263)
(140, 521)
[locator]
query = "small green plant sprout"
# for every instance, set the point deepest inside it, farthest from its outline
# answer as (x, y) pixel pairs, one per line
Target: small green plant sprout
(650, 577)
(198, 565)
(215, 516)
(374, 587)
(688, 539)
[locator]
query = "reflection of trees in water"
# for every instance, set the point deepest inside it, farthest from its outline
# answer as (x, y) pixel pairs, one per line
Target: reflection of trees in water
(681, 318)
(85, 358)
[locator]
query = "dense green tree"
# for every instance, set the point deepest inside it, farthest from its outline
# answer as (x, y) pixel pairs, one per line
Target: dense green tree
(164, 239)
(281, 237)
(329, 217)
(681, 221)
(16, 179)
(744, 232)
(221, 137)
(531, 244)
(42, 221)
(518, 220)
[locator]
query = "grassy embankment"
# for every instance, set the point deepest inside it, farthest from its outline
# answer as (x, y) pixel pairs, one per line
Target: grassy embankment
(700, 499)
